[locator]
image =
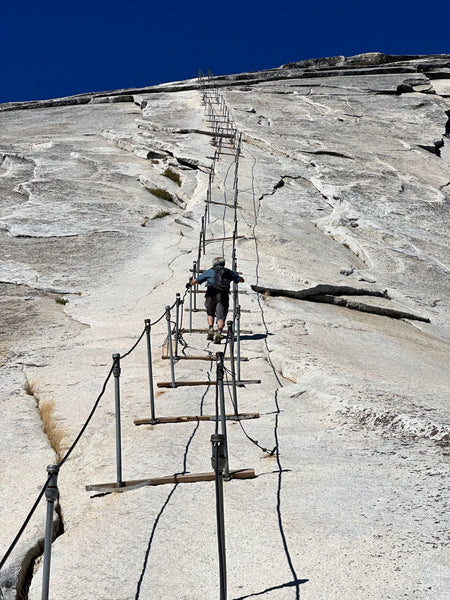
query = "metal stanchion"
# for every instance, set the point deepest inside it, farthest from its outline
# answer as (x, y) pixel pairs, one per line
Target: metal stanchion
(52, 495)
(195, 287)
(218, 462)
(116, 373)
(148, 328)
(204, 234)
(169, 342)
(200, 245)
(238, 343)
(223, 418)
(190, 308)
(235, 285)
(177, 322)
(230, 336)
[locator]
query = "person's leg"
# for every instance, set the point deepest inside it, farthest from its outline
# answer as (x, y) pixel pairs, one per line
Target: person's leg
(210, 305)
(221, 315)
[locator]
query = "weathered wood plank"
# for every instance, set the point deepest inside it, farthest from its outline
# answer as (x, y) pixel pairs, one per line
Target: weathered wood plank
(167, 480)
(188, 418)
(243, 310)
(200, 330)
(168, 384)
(164, 357)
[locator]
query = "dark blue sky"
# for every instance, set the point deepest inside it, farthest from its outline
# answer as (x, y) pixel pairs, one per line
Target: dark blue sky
(51, 49)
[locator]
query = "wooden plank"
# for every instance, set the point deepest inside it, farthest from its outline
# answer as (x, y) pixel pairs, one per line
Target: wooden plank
(224, 239)
(168, 384)
(244, 358)
(203, 291)
(169, 479)
(203, 270)
(222, 204)
(188, 418)
(243, 310)
(200, 330)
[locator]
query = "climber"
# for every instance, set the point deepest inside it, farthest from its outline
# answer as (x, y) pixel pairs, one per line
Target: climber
(218, 279)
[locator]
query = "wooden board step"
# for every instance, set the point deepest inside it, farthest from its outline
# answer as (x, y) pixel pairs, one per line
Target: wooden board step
(224, 332)
(224, 239)
(244, 358)
(169, 479)
(188, 418)
(168, 384)
(222, 204)
(243, 310)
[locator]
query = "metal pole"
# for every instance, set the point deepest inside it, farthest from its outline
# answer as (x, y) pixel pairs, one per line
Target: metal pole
(238, 342)
(209, 193)
(199, 255)
(148, 328)
(218, 462)
(204, 233)
(116, 373)
(223, 417)
(52, 495)
(194, 275)
(230, 335)
(190, 308)
(235, 285)
(177, 321)
(169, 341)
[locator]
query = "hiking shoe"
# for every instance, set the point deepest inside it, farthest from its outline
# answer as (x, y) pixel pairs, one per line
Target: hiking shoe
(210, 335)
(218, 337)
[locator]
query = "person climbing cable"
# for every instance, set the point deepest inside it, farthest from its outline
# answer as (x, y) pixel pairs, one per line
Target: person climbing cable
(217, 297)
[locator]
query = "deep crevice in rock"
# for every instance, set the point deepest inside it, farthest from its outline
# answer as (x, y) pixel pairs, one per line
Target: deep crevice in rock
(33, 555)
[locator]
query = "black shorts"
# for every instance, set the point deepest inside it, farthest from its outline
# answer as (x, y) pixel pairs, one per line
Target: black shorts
(217, 305)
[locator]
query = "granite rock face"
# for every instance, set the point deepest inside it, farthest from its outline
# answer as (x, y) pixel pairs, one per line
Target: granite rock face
(344, 187)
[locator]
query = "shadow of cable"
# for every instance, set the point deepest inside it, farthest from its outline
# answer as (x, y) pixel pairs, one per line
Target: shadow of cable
(294, 583)
(255, 336)
(164, 506)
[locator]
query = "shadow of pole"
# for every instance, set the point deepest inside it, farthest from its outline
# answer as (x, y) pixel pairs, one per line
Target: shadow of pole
(296, 583)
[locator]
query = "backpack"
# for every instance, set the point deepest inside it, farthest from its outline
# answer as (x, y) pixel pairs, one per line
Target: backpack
(221, 283)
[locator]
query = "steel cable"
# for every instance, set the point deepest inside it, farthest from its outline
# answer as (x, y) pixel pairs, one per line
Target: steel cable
(64, 459)
(133, 347)
(71, 449)
(25, 523)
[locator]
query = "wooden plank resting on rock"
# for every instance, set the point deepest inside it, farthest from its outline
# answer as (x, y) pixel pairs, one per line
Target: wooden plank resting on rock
(368, 308)
(320, 289)
(331, 294)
